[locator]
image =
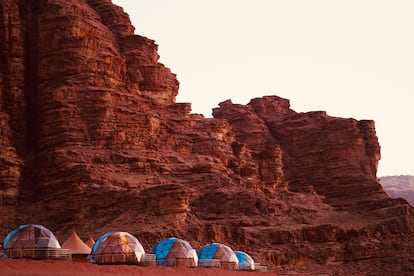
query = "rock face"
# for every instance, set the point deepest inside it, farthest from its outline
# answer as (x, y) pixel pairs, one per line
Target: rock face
(92, 140)
(321, 154)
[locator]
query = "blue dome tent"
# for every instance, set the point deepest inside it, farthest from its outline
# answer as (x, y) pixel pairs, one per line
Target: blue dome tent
(217, 254)
(245, 261)
(175, 252)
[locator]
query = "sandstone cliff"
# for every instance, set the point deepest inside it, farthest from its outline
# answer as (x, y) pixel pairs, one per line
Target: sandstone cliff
(92, 140)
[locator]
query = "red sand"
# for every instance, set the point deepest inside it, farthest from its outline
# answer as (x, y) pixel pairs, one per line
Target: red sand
(49, 267)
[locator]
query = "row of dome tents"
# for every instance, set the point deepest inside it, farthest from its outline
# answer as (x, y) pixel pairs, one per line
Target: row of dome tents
(122, 247)
(37, 242)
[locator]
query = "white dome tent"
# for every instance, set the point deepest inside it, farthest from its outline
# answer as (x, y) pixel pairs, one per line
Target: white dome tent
(33, 241)
(117, 247)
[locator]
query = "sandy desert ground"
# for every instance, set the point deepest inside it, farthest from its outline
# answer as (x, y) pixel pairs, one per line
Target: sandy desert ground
(61, 268)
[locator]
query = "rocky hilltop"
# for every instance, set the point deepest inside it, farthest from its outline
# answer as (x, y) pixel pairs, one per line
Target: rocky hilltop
(399, 186)
(92, 140)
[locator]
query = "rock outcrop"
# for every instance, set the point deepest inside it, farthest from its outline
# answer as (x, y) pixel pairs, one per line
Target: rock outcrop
(92, 140)
(399, 186)
(334, 157)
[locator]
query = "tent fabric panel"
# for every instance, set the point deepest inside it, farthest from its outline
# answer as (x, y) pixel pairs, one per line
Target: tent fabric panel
(241, 256)
(180, 249)
(162, 249)
(100, 240)
(225, 253)
(12, 235)
(245, 260)
(192, 254)
(208, 251)
(44, 237)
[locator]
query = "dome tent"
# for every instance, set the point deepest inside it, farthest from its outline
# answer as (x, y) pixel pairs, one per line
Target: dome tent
(175, 252)
(30, 236)
(220, 252)
(33, 241)
(117, 247)
(245, 261)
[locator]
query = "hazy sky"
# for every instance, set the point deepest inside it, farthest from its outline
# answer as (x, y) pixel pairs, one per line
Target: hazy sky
(352, 59)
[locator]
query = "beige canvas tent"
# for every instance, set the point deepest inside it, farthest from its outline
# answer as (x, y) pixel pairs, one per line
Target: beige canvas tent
(78, 248)
(90, 242)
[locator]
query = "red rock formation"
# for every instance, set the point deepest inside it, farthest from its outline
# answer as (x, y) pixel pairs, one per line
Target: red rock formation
(324, 154)
(92, 140)
(12, 106)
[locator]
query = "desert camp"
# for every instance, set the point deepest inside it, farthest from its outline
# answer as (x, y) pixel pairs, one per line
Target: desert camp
(34, 241)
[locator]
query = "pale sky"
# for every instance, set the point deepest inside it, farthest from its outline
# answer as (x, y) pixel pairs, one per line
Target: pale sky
(350, 58)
